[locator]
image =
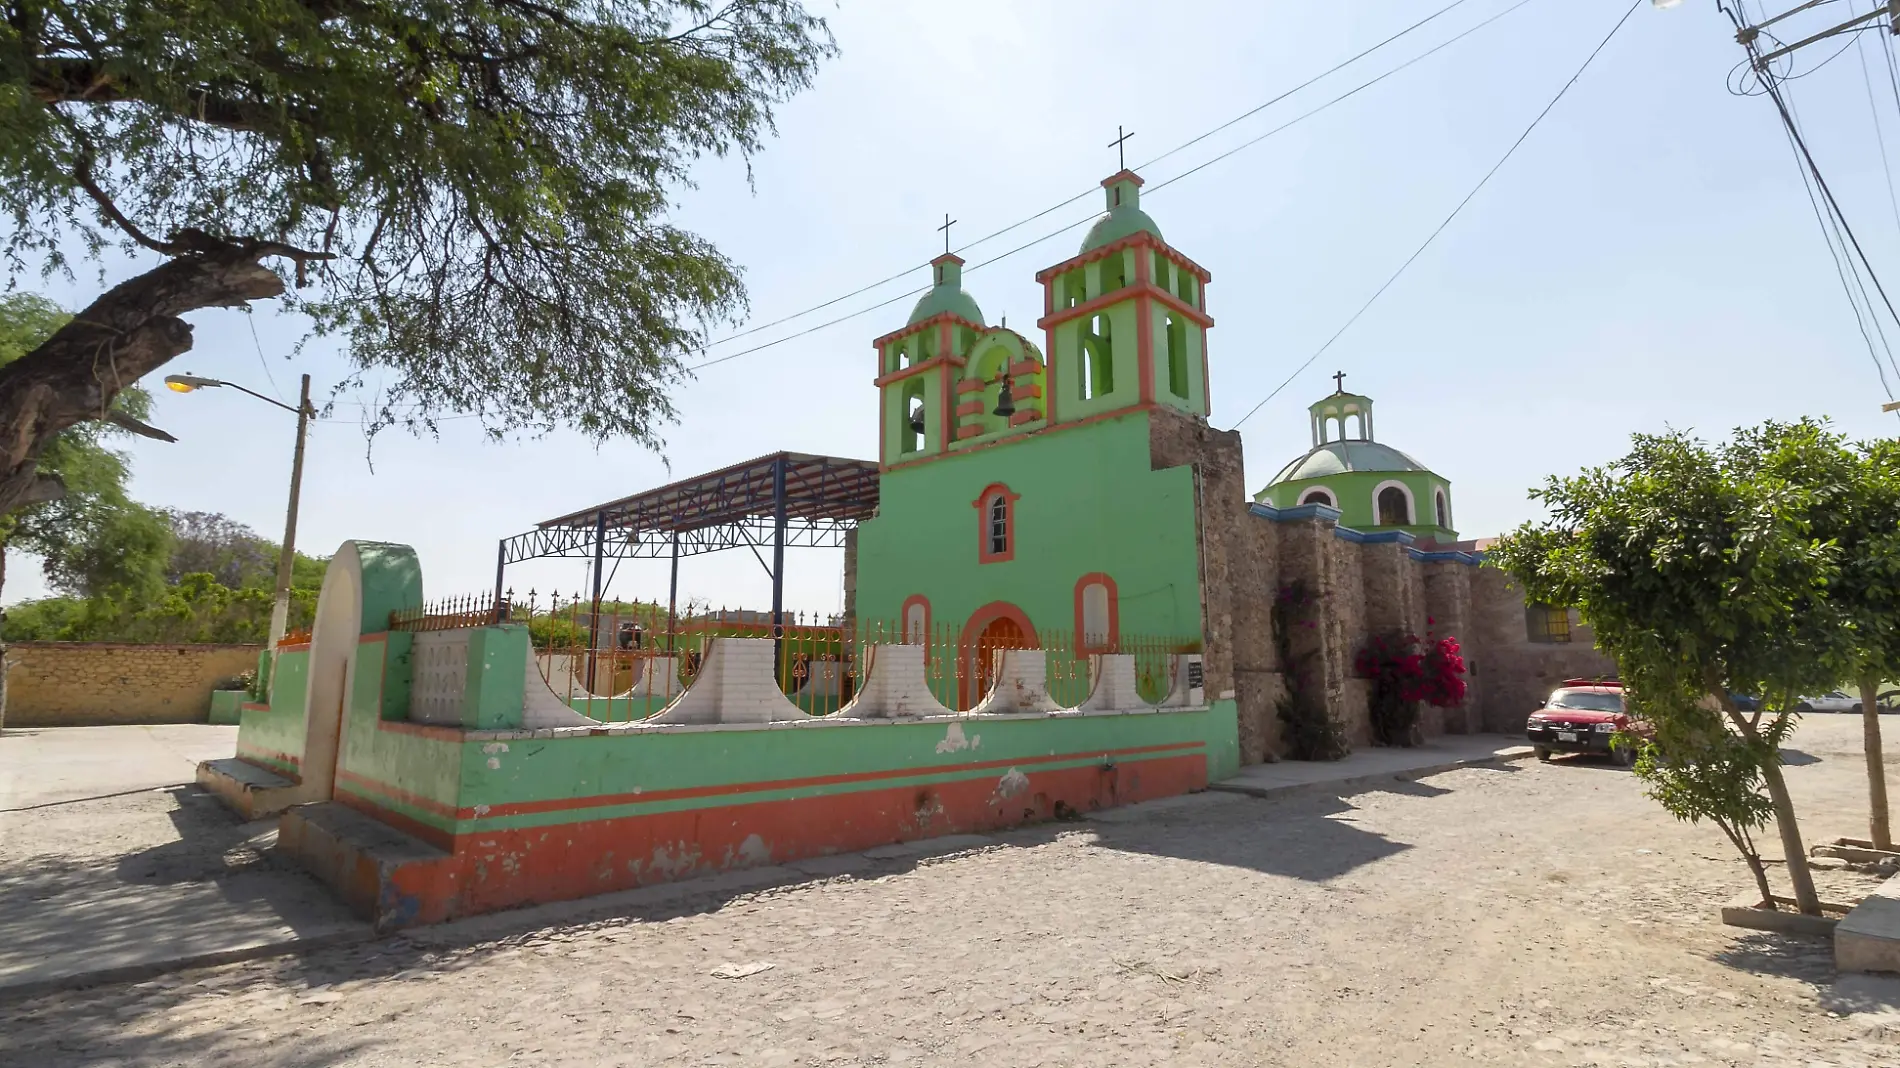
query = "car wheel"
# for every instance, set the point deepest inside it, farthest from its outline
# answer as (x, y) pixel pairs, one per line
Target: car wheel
(1804, 708)
(1542, 753)
(1624, 755)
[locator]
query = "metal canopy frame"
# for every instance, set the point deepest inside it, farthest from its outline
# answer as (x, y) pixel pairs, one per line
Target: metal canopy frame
(786, 499)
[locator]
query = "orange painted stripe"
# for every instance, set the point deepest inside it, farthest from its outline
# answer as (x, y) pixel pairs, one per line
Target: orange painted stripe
(523, 808)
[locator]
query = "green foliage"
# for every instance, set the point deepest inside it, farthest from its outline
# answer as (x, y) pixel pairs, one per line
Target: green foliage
(216, 584)
(95, 538)
(1699, 569)
(491, 176)
(1708, 572)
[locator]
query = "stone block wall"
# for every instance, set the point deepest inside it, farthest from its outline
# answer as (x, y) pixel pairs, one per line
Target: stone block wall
(1517, 673)
(69, 684)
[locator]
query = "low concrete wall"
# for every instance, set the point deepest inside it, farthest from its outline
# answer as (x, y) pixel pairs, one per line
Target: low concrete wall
(74, 684)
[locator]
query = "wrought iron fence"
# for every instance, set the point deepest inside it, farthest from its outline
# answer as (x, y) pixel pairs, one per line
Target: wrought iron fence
(626, 662)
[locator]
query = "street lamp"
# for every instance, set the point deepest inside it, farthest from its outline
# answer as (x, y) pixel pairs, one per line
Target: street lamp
(280, 607)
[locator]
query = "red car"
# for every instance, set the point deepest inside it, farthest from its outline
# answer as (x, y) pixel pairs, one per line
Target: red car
(1581, 716)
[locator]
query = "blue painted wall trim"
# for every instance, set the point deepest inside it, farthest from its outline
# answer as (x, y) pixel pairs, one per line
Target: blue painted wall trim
(1360, 537)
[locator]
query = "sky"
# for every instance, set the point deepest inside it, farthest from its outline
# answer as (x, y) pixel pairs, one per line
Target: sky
(1647, 259)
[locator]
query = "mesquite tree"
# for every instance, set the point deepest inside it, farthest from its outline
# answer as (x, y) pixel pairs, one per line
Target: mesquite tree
(1700, 572)
(470, 194)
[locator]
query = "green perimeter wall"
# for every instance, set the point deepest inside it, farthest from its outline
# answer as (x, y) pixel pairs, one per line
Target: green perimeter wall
(268, 731)
(489, 772)
(1088, 503)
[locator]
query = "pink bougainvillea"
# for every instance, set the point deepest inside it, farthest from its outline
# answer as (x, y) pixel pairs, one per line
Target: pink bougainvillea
(1404, 671)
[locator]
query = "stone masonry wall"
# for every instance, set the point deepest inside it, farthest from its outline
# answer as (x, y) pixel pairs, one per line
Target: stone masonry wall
(1517, 673)
(65, 684)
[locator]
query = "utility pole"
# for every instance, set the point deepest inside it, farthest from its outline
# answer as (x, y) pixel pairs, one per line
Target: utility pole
(1747, 34)
(286, 560)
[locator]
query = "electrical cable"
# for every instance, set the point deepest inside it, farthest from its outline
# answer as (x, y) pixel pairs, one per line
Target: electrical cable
(1416, 253)
(1867, 78)
(1827, 193)
(1018, 224)
(272, 379)
(1084, 221)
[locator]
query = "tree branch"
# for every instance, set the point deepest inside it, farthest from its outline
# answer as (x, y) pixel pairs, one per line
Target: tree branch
(130, 425)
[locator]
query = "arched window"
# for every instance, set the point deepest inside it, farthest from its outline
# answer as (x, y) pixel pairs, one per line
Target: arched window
(1097, 615)
(996, 524)
(916, 620)
(1395, 508)
(1098, 360)
(1114, 273)
(912, 435)
(1318, 496)
(1177, 356)
(1444, 511)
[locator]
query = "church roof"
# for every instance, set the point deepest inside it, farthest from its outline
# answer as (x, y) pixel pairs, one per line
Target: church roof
(1340, 457)
(1124, 215)
(947, 294)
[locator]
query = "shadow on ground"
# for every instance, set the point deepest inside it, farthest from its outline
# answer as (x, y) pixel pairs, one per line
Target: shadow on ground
(1307, 836)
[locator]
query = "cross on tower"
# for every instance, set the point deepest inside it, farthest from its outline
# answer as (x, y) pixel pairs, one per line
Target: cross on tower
(948, 222)
(1339, 381)
(1117, 144)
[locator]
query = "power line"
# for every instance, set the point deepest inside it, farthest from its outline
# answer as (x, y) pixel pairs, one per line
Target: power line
(1880, 138)
(1839, 217)
(1018, 224)
(272, 379)
(1416, 253)
(1081, 222)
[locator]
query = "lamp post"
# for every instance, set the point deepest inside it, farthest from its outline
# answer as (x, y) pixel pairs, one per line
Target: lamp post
(280, 607)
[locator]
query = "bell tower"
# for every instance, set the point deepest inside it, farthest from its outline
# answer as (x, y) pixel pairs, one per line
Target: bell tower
(920, 365)
(1125, 319)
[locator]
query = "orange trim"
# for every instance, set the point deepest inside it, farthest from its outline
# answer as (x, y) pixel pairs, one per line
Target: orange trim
(1118, 413)
(269, 754)
(1024, 367)
(983, 504)
(409, 825)
(1049, 370)
(940, 317)
(1031, 391)
(1145, 327)
(1139, 288)
(964, 432)
(903, 617)
(1026, 415)
(970, 407)
(433, 731)
(970, 385)
(917, 368)
(1140, 237)
(300, 647)
(1114, 613)
(969, 641)
(995, 609)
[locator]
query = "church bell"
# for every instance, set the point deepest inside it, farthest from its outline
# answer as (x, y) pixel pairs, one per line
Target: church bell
(1005, 404)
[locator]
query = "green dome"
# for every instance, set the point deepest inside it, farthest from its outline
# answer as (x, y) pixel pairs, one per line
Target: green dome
(1339, 457)
(1117, 224)
(947, 294)
(945, 298)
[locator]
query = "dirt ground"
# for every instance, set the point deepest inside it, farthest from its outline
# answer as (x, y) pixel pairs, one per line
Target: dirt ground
(1534, 915)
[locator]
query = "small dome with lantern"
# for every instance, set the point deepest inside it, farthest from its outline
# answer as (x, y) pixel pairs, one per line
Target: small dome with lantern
(1374, 487)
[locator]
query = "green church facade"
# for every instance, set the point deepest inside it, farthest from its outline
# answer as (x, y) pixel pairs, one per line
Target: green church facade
(1019, 492)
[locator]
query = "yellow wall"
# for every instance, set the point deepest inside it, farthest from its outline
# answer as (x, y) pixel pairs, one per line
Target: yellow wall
(67, 684)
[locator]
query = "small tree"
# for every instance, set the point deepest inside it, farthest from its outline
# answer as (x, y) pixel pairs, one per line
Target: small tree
(1700, 573)
(1700, 770)
(1853, 495)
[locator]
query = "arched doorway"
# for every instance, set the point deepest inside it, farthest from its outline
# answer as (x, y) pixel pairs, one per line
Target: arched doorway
(997, 625)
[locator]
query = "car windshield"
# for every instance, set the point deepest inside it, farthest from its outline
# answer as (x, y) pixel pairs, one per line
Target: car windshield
(1586, 701)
